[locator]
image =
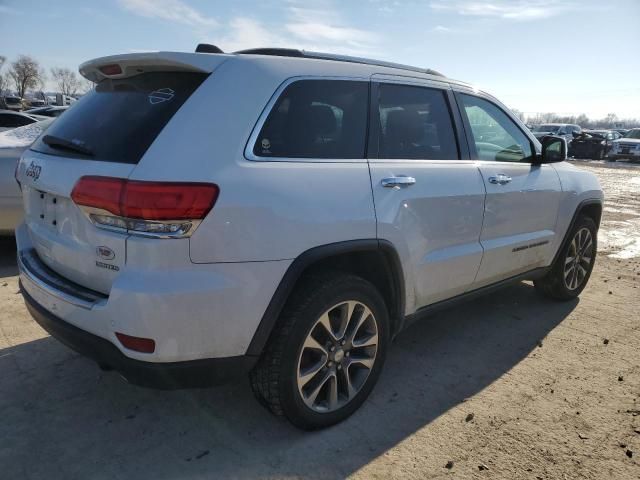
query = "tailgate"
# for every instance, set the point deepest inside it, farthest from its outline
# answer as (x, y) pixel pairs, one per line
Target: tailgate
(62, 235)
(104, 134)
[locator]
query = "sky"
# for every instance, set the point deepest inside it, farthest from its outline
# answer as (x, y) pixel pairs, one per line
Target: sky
(568, 57)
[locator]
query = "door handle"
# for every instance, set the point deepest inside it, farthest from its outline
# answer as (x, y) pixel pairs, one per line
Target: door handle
(500, 179)
(397, 182)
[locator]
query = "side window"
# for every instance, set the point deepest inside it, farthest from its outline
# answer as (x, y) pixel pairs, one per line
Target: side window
(414, 123)
(22, 121)
(495, 135)
(317, 119)
(9, 120)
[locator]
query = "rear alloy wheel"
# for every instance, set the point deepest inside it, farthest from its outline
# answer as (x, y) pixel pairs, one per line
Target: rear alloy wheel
(337, 356)
(571, 271)
(326, 353)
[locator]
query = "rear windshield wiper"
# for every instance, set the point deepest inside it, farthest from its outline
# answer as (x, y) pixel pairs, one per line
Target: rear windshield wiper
(63, 144)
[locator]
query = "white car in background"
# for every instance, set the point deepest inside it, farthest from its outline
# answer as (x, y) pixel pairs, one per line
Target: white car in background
(626, 147)
(12, 144)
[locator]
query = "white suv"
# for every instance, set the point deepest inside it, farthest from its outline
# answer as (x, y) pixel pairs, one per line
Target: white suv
(285, 214)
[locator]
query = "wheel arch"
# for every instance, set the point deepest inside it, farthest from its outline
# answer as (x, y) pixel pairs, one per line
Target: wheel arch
(374, 260)
(591, 208)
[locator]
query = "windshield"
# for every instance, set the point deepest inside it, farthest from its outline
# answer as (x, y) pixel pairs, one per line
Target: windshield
(12, 100)
(547, 128)
(635, 133)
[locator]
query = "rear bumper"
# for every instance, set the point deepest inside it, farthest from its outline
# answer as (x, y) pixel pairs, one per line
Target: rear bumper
(192, 312)
(172, 375)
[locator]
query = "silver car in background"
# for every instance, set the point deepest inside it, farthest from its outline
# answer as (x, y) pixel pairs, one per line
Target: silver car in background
(12, 144)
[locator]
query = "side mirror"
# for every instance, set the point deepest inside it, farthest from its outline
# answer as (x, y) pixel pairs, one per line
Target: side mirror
(554, 149)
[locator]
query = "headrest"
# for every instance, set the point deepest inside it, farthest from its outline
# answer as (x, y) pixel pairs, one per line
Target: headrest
(322, 119)
(403, 127)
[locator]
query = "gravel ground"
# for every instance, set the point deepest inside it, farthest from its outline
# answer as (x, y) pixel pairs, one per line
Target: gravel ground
(509, 386)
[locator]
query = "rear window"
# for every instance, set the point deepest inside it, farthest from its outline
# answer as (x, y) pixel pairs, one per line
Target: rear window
(415, 123)
(316, 119)
(119, 119)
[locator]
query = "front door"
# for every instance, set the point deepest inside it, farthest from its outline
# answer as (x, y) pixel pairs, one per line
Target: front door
(523, 198)
(429, 197)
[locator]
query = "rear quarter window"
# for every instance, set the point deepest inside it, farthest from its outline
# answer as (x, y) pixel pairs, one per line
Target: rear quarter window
(316, 119)
(120, 118)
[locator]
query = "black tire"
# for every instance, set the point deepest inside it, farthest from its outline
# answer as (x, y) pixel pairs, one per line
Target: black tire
(274, 379)
(554, 284)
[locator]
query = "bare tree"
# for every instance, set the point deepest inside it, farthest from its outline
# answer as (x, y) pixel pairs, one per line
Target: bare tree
(611, 119)
(518, 113)
(3, 83)
(66, 80)
(3, 78)
(86, 85)
(26, 74)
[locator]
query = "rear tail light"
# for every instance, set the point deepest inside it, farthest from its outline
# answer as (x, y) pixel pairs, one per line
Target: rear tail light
(159, 209)
(138, 344)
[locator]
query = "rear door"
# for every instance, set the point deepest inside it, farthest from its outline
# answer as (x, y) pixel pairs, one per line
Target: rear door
(523, 198)
(105, 134)
(429, 197)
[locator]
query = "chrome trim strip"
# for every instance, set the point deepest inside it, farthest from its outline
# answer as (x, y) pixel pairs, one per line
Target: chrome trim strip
(89, 212)
(50, 289)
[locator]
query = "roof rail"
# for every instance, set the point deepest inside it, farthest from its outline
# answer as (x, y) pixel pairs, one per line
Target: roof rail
(291, 52)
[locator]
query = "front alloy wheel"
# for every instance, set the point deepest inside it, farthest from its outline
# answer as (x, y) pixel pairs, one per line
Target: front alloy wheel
(572, 268)
(577, 263)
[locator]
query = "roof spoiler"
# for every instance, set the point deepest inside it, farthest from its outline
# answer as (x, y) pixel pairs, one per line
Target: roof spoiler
(128, 65)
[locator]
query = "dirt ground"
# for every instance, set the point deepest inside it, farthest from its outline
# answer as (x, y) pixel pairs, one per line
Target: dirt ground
(509, 386)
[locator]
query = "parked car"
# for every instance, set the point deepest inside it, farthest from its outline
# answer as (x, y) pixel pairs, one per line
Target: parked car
(593, 144)
(292, 231)
(36, 103)
(12, 144)
(48, 111)
(622, 131)
(627, 146)
(566, 130)
(13, 103)
(10, 119)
